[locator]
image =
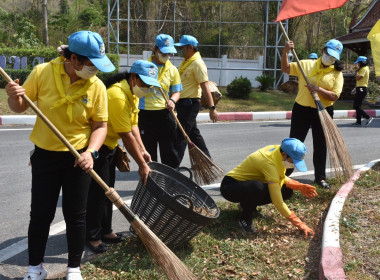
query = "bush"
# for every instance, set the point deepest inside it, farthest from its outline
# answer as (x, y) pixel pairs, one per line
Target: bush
(373, 89)
(239, 88)
(265, 81)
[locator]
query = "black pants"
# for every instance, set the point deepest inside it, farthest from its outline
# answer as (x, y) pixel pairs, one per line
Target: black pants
(157, 127)
(249, 194)
(361, 93)
(187, 111)
(52, 171)
(99, 207)
(302, 118)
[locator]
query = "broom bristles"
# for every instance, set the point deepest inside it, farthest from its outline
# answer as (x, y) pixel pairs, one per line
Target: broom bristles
(204, 169)
(171, 265)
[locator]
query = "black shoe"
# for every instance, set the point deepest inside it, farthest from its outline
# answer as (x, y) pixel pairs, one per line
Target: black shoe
(369, 121)
(101, 248)
(356, 124)
(119, 238)
(322, 184)
(246, 225)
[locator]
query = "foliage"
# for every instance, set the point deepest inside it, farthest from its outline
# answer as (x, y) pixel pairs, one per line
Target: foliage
(239, 88)
(265, 81)
(373, 89)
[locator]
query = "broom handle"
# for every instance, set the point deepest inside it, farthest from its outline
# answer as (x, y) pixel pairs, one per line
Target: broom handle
(175, 117)
(93, 174)
(313, 93)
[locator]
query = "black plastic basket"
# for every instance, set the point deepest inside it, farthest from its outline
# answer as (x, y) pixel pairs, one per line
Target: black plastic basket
(170, 205)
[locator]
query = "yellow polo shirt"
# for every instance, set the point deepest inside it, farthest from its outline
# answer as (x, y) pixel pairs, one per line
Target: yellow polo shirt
(122, 112)
(327, 78)
(193, 75)
(169, 79)
(265, 165)
(363, 82)
(41, 87)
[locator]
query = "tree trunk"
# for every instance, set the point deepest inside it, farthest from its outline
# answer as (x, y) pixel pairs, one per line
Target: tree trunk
(45, 23)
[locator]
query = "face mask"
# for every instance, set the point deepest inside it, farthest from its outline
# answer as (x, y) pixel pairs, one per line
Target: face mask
(328, 60)
(87, 72)
(140, 92)
(162, 58)
(288, 165)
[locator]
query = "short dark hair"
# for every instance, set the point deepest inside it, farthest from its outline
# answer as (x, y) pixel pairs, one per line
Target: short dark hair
(67, 54)
(118, 78)
(363, 63)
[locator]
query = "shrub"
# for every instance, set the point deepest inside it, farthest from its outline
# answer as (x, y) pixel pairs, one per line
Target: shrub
(239, 88)
(265, 81)
(373, 89)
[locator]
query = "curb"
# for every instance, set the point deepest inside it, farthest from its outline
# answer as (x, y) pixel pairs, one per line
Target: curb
(331, 265)
(204, 117)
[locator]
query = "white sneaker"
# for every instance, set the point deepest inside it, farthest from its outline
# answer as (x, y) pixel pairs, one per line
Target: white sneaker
(73, 273)
(36, 273)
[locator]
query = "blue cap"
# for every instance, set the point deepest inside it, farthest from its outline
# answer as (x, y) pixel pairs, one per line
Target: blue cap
(91, 45)
(187, 40)
(313, 55)
(361, 58)
(296, 150)
(334, 48)
(165, 43)
(147, 72)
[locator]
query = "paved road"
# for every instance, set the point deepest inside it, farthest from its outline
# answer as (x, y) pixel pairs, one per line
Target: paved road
(229, 144)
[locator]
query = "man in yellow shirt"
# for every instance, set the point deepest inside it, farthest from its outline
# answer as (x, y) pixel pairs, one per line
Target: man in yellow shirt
(362, 78)
(194, 79)
(260, 179)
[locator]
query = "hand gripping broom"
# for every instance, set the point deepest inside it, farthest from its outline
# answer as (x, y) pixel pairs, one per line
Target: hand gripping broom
(204, 169)
(340, 159)
(166, 259)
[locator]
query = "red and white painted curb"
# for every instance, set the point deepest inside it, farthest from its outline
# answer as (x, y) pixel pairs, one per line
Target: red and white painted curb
(331, 265)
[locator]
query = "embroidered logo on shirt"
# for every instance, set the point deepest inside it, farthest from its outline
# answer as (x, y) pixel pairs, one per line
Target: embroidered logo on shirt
(85, 99)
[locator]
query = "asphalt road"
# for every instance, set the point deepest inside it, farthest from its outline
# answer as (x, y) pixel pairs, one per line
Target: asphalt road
(229, 144)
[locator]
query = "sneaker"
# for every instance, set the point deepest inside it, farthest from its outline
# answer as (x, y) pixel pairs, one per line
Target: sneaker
(34, 273)
(73, 273)
(369, 121)
(322, 183)
(255, 213)
(356, 124)
(246, 225)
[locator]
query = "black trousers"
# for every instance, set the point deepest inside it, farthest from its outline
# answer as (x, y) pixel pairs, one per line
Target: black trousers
(187, 111)
(51, 172)
(249, 194)
(158, 128)
(361, 93)
(99, 207)
(302, 119)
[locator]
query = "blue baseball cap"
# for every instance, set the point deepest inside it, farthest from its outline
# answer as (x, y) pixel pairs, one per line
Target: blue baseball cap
(334, 48)
(91, 45)
(147, 71)
(313, 55)
(165, 43)
(296, 150)
(361, 58)
(187, 40)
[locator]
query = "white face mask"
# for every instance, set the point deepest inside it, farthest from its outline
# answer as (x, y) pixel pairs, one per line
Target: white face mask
(328, 60)
(87, 72)
(288, 165)
(162, 58)
(140, 92)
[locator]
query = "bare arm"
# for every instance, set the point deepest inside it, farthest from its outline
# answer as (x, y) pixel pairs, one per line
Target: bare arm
(285, 66)
(214, 115)
(15, 101)
(327, 94)
(170, 105)
(144, 152)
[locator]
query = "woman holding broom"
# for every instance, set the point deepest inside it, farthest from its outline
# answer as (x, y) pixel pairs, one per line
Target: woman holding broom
(326, 78)
(70, 95)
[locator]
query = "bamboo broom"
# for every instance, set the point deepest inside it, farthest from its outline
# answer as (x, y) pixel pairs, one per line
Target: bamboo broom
(340, 159)
(170, 264)
(205, 170)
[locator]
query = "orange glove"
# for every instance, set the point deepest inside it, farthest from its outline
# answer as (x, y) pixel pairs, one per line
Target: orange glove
(300, 225)
(307, 190)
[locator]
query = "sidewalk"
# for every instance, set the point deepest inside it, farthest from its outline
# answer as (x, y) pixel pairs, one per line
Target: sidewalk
(204, 117)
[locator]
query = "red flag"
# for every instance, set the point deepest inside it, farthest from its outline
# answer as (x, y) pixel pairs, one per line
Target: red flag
(295, 8)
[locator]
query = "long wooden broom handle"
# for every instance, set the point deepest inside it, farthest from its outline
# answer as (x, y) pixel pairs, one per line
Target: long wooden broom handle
(313, 93)
(93, 174)
(175, 117)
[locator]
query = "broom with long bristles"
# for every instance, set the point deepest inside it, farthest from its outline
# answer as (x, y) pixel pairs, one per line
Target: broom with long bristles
(205, 170)
(170, 264)
(340, 159)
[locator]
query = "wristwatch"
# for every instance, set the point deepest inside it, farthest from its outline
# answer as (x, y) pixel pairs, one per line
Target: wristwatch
(212, 107)
(94, 153)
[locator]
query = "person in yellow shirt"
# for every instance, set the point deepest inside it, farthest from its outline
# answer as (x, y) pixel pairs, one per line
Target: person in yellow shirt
(124, 91)
(156, 123)
(362, 78)
(326, 78)
(260, 179)
(194, 79)
(70, 95)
